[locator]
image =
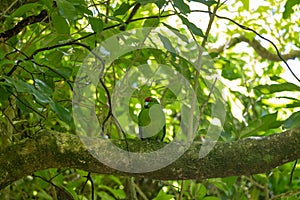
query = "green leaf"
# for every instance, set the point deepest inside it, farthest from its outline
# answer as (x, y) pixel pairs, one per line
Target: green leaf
(117, 19)
(22, 10)
(83, 10)
(60, 24)
(168, 97)
(41, 86)
(191, 26)
(167, 43)
(230, 180)
(277, 79)
(198, 190)
(214, 54)
(2, 54)
(21, 86)
(53, 39)
(293, 105)
(206, 2)
(183, 7)
(145, 2)
(118, 193)
(65, 71)
(4, 94)
(245, 4)
(77, 2)
(293, 121)
(42, 194)
(288, 8)
(264, 123)
(67, 9)
(175, 31)
(54, 56)
(47, 3)
(230, 71)
(210, 198)
(250, 36)
(63, 113)
(96, 23)
(23, 102)
(151, 22)
(182, 68)
(40, 96)
(124, 7)
(268, 89)
(5, 62)
(163, 196)
(160, 3)
(59, 73)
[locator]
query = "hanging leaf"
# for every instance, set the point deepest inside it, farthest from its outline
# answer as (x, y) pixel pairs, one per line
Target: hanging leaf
(40, 96)
(198, 190)
(167, 44)
(277, 79)
(96, 23)
(21, 86)
(230, 71)
(174, 30)
(183, 7)
(206, 2)
(152, 22)
(67, 9)
(163, 196)
(182, 68)
(160, 3)
(63, 113)
(268, 89)
(288, 8)
(264, 123)
(4, 94)
(191, 26)
(124, 7)
(293, 121)
(82, 10)
(22, 10)
(168, 97)
(245, 4)
(41, 86)
(60, 24)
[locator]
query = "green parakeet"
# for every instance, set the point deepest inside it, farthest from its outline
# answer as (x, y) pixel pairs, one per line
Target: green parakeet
(152, 121)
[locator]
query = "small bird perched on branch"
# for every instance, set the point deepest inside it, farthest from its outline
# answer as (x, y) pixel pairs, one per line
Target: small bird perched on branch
(152, 121)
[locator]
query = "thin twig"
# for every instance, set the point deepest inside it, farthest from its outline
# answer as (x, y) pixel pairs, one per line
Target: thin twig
(292, 172)
(181, 189)
(259, 35)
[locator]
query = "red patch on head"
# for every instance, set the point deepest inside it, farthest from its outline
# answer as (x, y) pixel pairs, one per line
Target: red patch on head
(148, 99)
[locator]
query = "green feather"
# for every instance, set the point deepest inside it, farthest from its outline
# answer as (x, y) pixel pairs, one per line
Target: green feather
(152, 121)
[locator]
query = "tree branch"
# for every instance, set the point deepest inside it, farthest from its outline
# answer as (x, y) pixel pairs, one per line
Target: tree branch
(260, 50)
(43, 16)
(59, 150)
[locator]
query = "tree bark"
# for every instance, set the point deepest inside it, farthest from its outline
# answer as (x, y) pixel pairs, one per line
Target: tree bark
(59, 150)
(260, 50)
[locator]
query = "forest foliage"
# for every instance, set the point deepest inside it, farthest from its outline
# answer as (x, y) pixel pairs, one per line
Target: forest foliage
(252, 47)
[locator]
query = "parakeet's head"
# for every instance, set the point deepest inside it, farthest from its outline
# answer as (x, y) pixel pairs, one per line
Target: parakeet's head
(149, 101)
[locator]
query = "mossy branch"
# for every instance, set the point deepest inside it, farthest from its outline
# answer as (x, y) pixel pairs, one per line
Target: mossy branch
(59, 150)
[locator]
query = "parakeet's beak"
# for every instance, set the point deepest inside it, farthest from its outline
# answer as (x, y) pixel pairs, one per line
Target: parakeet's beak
(146, 104)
